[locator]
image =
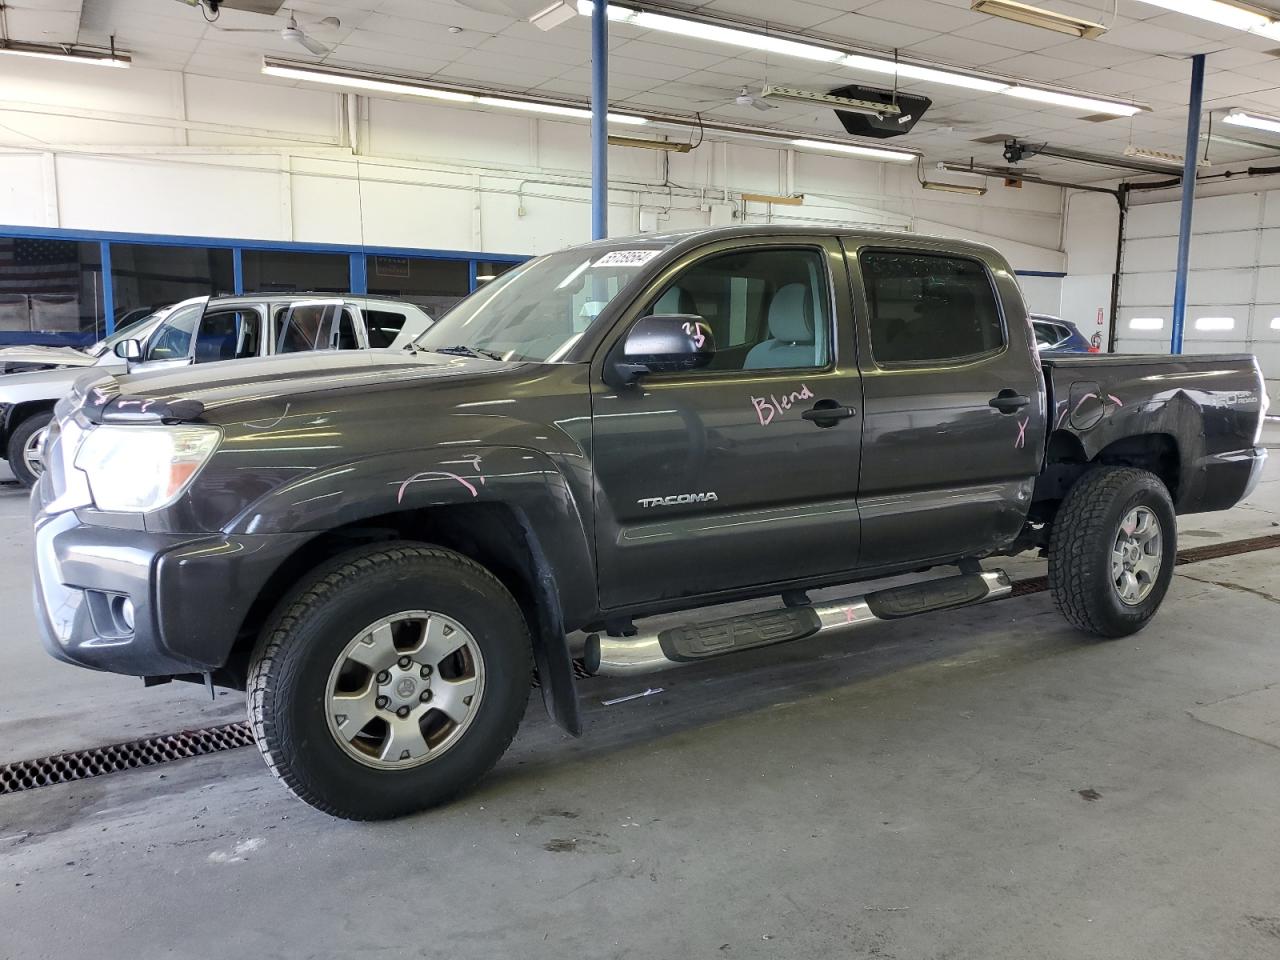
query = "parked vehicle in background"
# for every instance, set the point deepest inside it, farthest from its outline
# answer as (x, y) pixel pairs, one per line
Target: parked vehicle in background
(380, 548)
(1055, 335)
(197, 331)
(29, 359)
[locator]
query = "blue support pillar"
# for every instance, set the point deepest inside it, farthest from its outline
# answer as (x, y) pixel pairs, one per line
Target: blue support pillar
(599, 120)
(237, 270)
(1188, 202)
(108, 288)
(359, 273)
(472, 283)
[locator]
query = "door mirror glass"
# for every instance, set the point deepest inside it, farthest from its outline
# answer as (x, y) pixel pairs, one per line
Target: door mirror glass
(665, 343)
(129, 350)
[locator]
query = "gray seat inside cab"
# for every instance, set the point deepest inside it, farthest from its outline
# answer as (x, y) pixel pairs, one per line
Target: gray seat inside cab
(675, 300)
(791, 332)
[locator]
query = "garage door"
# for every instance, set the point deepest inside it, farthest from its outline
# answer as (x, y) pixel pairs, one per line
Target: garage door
(1233, 289)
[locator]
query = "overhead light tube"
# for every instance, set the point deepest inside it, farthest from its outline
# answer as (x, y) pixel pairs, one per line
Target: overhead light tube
(1256, 121)
(872, 153)
(70, 54)
(1075, 101)
(409, 88)
(1039, 17)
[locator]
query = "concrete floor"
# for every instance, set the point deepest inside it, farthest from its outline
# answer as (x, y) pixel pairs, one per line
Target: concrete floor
(912, 791)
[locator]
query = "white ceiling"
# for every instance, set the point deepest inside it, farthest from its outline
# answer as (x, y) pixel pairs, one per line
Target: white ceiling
(1142, 56)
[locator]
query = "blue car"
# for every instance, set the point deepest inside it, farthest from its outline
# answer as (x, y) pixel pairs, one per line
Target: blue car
(1054, 335)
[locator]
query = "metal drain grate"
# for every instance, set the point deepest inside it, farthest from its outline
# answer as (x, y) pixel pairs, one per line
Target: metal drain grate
(66, 767)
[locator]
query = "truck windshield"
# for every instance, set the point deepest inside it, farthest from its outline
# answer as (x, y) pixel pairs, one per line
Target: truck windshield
(539, 310)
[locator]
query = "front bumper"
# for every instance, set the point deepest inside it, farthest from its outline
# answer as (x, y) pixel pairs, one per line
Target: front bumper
(190, 594)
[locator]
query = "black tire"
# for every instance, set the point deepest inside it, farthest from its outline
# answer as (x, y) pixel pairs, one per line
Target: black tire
(18, 440)
(290, 671)
(1084, 533)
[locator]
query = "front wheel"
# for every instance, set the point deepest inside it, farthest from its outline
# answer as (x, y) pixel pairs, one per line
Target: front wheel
(25, 452)
(1112, 551)
(391, 680)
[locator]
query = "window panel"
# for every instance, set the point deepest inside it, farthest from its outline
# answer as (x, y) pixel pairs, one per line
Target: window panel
(228, 335)
(145, 277)
(927, 308)
(50, 291)
(434, 285)
(383, 326)
(284, 271)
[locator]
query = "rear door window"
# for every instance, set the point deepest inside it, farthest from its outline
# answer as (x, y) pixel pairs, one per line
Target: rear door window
(929, 308)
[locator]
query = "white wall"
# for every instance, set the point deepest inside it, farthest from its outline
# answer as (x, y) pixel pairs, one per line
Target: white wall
(1090, 236)
(161, 152)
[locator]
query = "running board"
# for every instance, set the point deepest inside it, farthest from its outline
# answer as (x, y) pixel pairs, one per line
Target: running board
(689, 643)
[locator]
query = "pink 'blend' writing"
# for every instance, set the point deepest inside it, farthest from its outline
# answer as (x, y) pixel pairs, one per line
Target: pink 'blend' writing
(769, 407)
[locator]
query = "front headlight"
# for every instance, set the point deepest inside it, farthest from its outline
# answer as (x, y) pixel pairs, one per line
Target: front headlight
(142, 468)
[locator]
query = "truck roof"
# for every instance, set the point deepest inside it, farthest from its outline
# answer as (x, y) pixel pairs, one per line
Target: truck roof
(701, 235)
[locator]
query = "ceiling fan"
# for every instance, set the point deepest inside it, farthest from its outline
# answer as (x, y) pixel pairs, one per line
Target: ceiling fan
(291, 31)
(744, 97)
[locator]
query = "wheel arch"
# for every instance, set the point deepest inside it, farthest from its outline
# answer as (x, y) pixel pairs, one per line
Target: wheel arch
(495, 535)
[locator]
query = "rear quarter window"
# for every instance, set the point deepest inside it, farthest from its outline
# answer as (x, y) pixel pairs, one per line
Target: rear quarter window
(384, 326)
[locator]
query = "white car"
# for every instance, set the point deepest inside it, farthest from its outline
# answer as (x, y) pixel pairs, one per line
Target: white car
(200, 330)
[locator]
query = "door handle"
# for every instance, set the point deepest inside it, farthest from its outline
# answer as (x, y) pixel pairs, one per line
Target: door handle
(1006, 401)
(826, 413)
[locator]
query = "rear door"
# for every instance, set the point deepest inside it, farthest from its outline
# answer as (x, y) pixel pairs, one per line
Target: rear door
(953, 424)
(714, 480)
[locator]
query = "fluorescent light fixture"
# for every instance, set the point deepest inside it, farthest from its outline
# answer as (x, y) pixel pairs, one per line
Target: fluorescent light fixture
(554, 109)
(914, 71)
(701, 28)
(1146, 323)
(1256, 121)
(69, 54)
(411, 88)
(964, 188)
(481, 277)
(716, 33)
(1275, 323)
(355, 82)
(644, 143)
(871, 153)
(930, 75)
(1160, 156)
(1039, 17)
(1074, 100)
(1226, 14)
(553, 15)
(1215, 323)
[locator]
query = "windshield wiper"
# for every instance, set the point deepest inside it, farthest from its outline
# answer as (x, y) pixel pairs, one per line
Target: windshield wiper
(460, 350)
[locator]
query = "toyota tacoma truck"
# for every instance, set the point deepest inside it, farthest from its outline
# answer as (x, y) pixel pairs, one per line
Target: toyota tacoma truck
(383, 547)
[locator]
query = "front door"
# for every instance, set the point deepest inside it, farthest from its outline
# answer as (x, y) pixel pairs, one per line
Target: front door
(715, 480)
(953, 429)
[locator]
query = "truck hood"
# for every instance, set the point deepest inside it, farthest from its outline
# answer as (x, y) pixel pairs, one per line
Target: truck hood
(247, 387)
(53, 356)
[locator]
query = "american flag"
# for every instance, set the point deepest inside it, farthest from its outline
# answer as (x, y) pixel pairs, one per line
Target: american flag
(39, 266)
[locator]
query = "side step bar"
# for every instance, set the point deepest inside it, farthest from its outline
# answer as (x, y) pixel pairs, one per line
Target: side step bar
(662, 650)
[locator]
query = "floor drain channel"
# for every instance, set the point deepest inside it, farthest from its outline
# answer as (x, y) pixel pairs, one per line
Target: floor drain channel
(67, 767)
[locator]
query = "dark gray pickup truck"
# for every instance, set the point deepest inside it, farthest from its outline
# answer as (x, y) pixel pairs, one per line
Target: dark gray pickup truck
(381, 547)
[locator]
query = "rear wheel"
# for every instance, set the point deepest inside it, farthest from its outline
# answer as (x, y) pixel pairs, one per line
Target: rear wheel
(393, 679)
(25, 455)
(1112, 551)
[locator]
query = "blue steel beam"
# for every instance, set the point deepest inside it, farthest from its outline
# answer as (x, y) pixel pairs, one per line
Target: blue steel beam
(599, 120)
(1188, 202)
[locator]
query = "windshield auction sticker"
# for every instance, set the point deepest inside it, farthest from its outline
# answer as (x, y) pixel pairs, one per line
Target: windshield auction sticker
(626, 258)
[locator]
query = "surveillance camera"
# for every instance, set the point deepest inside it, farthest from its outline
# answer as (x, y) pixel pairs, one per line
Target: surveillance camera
(1012, 151)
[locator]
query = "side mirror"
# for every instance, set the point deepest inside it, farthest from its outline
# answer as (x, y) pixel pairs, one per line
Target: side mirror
(129, 350)
(665, 343)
